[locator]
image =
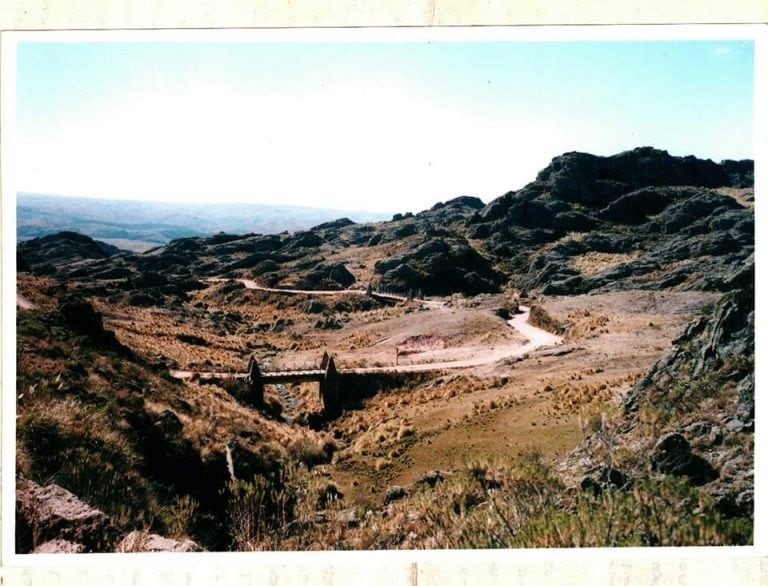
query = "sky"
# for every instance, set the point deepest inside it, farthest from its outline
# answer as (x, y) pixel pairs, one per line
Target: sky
(381, 126)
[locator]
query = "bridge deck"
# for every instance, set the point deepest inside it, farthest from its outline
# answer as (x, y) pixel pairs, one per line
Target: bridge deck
(280, 376)
(292, 376)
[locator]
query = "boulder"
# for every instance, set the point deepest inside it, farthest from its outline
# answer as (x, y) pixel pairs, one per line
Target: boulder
(80, 315)
(327, 276)
(140, 541)
(672, 455)
(313, 306)
(432, 478)
(53, 513)
(395, 493)
(606, 479)
(59, 546)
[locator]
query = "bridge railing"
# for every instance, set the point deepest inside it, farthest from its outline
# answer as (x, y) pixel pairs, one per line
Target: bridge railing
(294, 367)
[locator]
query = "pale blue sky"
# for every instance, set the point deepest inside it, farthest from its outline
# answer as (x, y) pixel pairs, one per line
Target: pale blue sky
(389, 126)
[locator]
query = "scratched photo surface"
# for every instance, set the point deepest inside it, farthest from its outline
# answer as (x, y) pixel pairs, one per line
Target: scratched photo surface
(300, 293)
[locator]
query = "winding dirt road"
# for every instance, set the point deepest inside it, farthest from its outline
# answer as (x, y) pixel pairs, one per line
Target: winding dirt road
(537, 338)
(250, 284)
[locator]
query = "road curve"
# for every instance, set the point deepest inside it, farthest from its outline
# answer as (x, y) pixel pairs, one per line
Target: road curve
(537, 338)
(250, 284)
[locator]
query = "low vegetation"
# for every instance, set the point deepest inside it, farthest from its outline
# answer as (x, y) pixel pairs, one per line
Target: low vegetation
(637, 430)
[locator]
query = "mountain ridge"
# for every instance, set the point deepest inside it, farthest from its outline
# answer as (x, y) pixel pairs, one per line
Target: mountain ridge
(636, 430)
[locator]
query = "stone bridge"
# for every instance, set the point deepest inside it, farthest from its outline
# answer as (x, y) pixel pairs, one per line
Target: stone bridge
(327, 377)
(331, 381)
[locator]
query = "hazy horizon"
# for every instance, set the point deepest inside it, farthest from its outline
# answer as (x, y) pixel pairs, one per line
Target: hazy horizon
(202, 201)
(373, 126)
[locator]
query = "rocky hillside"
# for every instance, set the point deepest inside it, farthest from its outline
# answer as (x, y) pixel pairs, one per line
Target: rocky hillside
(170, 455)
(639, 219)
(692, 416)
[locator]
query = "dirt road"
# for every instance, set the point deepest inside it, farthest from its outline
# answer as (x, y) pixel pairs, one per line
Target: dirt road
(536, 337)
(250, 284)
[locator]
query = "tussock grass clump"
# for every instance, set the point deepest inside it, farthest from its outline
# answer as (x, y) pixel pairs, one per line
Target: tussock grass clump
(656, 512)
(311, 452)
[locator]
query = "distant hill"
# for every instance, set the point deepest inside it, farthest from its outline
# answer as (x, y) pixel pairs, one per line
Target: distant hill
(139, 225)
(615, 254)
(641, 219)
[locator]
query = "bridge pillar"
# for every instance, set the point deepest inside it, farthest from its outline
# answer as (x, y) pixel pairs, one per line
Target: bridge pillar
(330, 389)
(255, 382)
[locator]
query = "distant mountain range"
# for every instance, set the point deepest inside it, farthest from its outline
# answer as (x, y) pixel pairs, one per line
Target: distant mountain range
(140, 225)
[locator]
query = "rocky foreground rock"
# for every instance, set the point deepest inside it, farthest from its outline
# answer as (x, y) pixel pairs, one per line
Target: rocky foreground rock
(50, 519)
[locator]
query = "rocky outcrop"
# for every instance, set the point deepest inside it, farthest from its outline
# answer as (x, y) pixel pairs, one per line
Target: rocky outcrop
(707, 380)
(740, 173)
(51, 518)
(327, 276)
(440, 266)
(700, 396)
(723, 342)
(63, 252)
(395, 493)
(672, 455)
(82, 318)
(657, 211)
(670, 217)
(60, 546)
(596, 181)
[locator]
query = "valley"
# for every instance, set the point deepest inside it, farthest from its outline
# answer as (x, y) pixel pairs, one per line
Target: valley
(499, 365)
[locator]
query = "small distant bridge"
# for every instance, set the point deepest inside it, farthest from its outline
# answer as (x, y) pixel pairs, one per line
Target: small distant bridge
(326, 375)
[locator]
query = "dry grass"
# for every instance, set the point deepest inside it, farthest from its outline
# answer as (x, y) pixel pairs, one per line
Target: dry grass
(584, 323)
(592, 263)
(391, 437)
(571, 396)
(745, 196)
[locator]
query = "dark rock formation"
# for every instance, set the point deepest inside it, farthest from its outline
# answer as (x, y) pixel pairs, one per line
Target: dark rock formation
(740, 173)
(672, 455)
(708, 344)
(58, 253)
(395, 493)
(606, 479)
(81, 317)
(439, 266)
(333, 225)
(327, 276)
